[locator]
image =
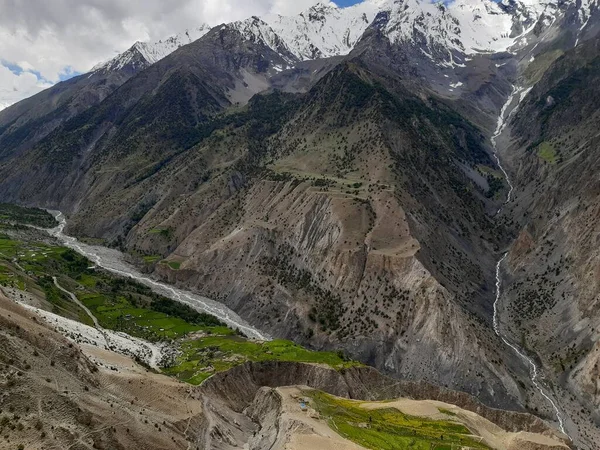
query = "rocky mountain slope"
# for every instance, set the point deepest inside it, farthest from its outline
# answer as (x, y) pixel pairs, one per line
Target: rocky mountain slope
(552, 267)
(347, 155)
(330, 178)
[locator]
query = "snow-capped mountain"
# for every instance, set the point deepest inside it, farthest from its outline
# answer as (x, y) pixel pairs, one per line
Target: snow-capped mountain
(442, 31)
(143, 54)
(324, 31)
(468, 26)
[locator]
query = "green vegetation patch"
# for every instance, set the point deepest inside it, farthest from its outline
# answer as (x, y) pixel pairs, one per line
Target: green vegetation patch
(118, 304)
(202, 357)
(151, 259)
(124, 305)
(174, 265)
(26, 216)
(10, 279)
(390, 429)
(547, 152)
(163, 232)
(120, 315)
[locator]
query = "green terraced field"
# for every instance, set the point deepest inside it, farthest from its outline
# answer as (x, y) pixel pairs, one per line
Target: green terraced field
(174, 265)
(388, 428)
(204, 356)
(151, 259)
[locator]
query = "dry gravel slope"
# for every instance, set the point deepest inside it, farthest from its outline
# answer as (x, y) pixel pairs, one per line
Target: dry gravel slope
(54, 396)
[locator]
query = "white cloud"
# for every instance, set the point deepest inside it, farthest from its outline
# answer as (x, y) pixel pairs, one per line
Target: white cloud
(46, 37)
(15, 87)
(288, 7)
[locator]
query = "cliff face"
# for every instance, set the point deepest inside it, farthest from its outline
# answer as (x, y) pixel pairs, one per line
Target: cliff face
(239, 386)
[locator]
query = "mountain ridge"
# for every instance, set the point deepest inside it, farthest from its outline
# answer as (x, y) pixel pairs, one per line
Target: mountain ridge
(323, 31)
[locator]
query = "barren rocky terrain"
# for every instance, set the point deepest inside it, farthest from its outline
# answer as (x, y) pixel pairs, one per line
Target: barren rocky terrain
(56, 394)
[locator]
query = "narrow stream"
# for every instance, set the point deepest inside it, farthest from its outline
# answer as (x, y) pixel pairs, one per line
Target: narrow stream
(113, 261)
(503, 120)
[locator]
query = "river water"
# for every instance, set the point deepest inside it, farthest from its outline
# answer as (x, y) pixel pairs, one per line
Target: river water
(113, 261)
(534, 372)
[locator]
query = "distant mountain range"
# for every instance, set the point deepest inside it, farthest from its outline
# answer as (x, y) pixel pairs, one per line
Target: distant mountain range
(458, 27)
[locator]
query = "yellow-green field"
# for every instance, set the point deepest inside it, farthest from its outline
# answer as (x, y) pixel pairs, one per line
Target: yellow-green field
(390, 429)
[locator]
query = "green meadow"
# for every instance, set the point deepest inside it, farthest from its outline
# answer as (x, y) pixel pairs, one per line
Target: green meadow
(202, 357)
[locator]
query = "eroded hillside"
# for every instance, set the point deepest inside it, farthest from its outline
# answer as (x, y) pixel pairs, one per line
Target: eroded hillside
(351, 202)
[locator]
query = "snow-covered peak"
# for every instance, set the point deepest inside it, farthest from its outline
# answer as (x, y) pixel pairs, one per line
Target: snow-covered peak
(466, 26)
(323, 31)
(257, 30)
(463, 26)
(144, 54)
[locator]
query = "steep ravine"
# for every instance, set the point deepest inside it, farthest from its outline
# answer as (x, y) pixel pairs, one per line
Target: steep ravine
(506, 113)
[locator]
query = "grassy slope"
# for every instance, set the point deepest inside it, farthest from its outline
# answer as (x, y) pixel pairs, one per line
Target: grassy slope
(547, 152)
(388, 428)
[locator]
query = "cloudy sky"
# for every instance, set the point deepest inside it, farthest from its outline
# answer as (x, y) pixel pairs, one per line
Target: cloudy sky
(46, 41)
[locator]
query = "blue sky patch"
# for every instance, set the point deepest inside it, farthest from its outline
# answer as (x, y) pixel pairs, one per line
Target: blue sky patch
(346, 2)
(65, 74)
(12, 67)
